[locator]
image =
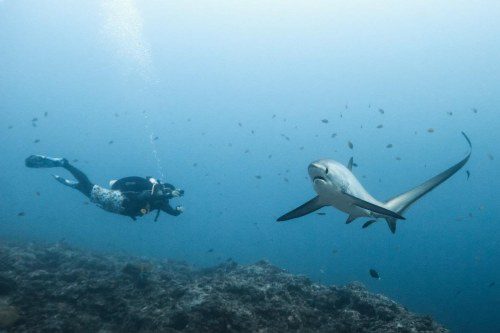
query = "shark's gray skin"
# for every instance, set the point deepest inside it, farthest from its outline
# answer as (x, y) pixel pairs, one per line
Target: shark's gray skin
(337, 186)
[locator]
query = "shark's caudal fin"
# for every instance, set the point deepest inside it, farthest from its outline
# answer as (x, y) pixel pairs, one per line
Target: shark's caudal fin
(402, 202)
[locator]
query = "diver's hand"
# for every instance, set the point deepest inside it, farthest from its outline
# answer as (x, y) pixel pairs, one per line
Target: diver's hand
(180, 209)
(177, 193)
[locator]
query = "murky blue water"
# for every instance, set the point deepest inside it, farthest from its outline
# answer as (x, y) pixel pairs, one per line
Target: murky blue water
(236, 94)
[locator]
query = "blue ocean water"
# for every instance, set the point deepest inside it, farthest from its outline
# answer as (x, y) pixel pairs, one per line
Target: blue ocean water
(236, 93)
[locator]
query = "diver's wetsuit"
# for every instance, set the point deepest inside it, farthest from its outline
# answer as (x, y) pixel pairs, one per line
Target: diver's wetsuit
(131, 196)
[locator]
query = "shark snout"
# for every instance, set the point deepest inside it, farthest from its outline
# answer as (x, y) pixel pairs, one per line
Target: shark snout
(317, 171)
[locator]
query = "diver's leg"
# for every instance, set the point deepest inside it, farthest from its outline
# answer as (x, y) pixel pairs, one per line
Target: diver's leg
(39, 161)
(84, 185)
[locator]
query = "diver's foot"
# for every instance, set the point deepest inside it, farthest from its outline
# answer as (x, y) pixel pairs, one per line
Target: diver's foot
(40, 161)
(65, 181)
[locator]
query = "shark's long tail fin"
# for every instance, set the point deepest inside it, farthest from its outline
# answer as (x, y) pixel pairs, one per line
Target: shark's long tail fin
(402, 202)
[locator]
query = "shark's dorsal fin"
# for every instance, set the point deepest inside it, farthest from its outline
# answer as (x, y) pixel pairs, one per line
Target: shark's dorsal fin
(349, 165)
(309, 207)
(111, 182)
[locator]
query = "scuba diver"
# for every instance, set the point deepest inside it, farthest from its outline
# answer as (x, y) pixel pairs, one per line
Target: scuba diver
(130, 196)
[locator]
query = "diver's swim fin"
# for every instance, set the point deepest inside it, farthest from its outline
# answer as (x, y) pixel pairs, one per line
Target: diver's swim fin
(309, 207)
(65, 181)
(40, 161)
(374, 208)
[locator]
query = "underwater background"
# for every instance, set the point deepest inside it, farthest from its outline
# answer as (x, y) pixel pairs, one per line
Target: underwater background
(231, 101)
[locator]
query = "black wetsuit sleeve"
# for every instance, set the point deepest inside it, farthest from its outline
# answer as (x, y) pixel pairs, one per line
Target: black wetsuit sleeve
(169, 210)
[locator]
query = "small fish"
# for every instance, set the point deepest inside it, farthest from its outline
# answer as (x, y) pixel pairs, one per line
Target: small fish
(75, 160)
(85, 202)
(491, 157)
(474, 110)
(45, 114)
(252, 131)
(468, 174)
(380, 126)
(335, 251)
(117, 115)
(430, 130)
(247, 151)
(350, 145)
(34, 119)
(274, 116)
(240, 124)
(210, 250)
(381, 111)
(258, 176)
(389, 145)
(458, 292)
(10, 127)
(156, 138)
(33, 124)
(491, 284)
(398, 158)
(36, 141)
(355, 164)
(111, 142)
(324, 121)
(374, 274)
(334, 135)
(285, 179)
(269, 156)
(21, 214)
(195, 164)
(37, 193)
(369, 223)
(301, 148)
(321, 214)
(450, 113)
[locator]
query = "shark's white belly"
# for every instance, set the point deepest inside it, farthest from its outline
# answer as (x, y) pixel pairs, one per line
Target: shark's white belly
(337, 199)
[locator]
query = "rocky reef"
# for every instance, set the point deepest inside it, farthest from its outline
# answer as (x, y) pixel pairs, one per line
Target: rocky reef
(61, 289)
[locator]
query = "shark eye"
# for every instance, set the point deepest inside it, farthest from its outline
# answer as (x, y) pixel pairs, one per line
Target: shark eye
(326, 171)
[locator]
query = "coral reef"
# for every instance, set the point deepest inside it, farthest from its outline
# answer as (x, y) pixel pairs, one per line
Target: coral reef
(60, 289)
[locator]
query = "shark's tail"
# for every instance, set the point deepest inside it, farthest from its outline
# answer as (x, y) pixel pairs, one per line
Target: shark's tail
(402, 202)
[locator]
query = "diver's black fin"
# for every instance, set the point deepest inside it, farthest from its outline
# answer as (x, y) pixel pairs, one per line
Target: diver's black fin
(157, 215)
(374, 208)
(349, 165)
(65, 181)
(368, 223)
(40, 161)
(309, 207)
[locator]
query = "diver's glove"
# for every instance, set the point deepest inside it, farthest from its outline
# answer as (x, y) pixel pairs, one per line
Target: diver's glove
(180, 209)
(177, 193)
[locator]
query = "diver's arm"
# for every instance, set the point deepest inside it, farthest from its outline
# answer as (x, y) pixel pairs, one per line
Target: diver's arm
(172, 211)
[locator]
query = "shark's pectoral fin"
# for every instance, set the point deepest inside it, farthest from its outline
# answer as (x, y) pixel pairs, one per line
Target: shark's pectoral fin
(349, 165)
(309, 207)
(372, 207)
(368, 223)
